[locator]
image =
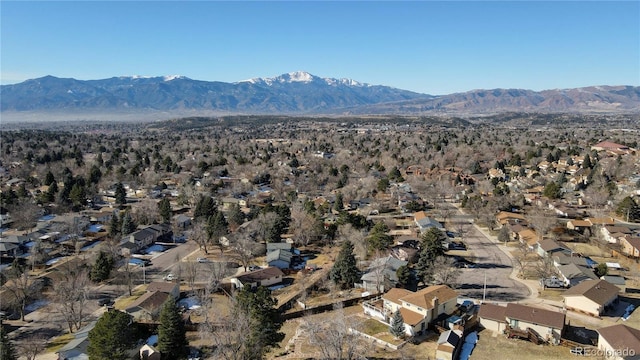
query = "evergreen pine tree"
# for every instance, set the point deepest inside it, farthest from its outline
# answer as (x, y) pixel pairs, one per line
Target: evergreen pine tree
(378, 238)
(397, 325)
(164, 208)
(115, 227)
(236, 217)
(404, 275)
(345, 273)
(101, 269)
(112, 337)
(128, 226)
(172, 338)
(120, 194)
(7, 351)
(265, 321)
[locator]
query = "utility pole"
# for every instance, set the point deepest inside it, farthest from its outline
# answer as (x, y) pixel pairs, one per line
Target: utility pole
(484, 289)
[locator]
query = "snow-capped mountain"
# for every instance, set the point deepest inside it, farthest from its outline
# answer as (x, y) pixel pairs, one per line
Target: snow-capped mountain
(295, 92)
(303, 77)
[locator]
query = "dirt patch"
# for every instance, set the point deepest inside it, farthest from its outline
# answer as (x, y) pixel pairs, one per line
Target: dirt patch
(499, 347)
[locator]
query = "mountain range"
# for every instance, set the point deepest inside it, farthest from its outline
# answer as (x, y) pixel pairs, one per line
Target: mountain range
(296, 93)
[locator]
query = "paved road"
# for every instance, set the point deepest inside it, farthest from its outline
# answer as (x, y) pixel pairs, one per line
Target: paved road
(493, 265)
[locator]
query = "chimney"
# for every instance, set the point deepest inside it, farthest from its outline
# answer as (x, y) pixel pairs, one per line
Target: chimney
(434, 302)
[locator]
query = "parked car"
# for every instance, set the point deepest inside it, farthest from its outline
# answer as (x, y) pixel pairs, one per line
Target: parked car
(105, 301)
(253, 267)
(170, 277)
(203, 260)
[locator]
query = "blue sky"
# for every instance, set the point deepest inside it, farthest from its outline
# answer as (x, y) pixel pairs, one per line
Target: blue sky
(427, 46)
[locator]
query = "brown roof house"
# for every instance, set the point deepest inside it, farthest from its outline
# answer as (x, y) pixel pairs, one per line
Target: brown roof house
(166, 287)
(147, 307)
(418, 309)
(260, 277)
(591, 297)
(548, 324)
(630, 246)
(619, 342)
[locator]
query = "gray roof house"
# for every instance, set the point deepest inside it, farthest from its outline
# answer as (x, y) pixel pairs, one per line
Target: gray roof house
(573, 274)
(279, 258)
(382, 273)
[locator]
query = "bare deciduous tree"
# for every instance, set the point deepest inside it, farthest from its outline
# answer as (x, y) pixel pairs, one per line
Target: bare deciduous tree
(444, 271)
(72, 292)
(542, 221)
(333, 336)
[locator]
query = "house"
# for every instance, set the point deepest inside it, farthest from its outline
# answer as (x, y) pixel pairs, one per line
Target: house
(630, 245)
(424, 222)
(76, 349)
(616, 280)
(611, 147)
(381, 274)
(619, 342)
(148, 352)
(560, 259)
(529, 237)
(148, 306)
(182, 221)
(548, 247)
(612, 233)
(170, 288)
(418, 309)
(578, 225)
(279, 258)
(505, 217)
(549, 324)
(261, 277)
(447, 344)
(591, 297)
(492, 317)
(572, 274)
(13, 245)
(279, 246)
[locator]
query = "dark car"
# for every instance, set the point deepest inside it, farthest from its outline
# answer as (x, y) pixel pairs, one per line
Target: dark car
(105, 302)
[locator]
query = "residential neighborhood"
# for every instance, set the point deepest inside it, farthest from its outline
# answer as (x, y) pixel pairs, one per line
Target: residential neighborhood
(406, 240)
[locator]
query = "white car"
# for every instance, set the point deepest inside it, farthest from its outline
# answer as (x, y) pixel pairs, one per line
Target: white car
(203, 260)
(170, 277)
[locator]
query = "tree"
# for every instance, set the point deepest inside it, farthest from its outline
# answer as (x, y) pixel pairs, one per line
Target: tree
(344, 271)
(7, 350)
(112, 337)
(383, 184)
(115, 227)
(128, 226)
(504, 234)
(72, 294)
(120, 194)
(264, 321)
(628, 209)
(444, 272)
(21, 288)
(172, 338)
(397, 325)
(217, 227)
(378, 237)
(102, 267)
(338, 205)
(164, 208)
(205, 207)
(431, 248)
(542, 221)
(236, 217)
(552, 190)
(333, 336)
(601, 270)
(404, 275)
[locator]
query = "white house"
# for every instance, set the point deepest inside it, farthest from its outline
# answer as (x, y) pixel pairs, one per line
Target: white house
(591, 297)
(619, 342)
(549, 324)
(418, 309)
(260, 277)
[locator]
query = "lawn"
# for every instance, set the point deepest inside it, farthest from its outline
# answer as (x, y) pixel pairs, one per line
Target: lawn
(58, 342)
(499, 347)
(373, 327)
(122, 303)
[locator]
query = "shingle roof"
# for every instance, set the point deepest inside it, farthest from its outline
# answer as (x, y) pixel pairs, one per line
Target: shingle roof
(424, 298)
(162, 286)
(410, 317)
(260, 274)
(149, 301)
(598, 291)
(492, 312)
(535, 315)
(621, 336)
(395, 294)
